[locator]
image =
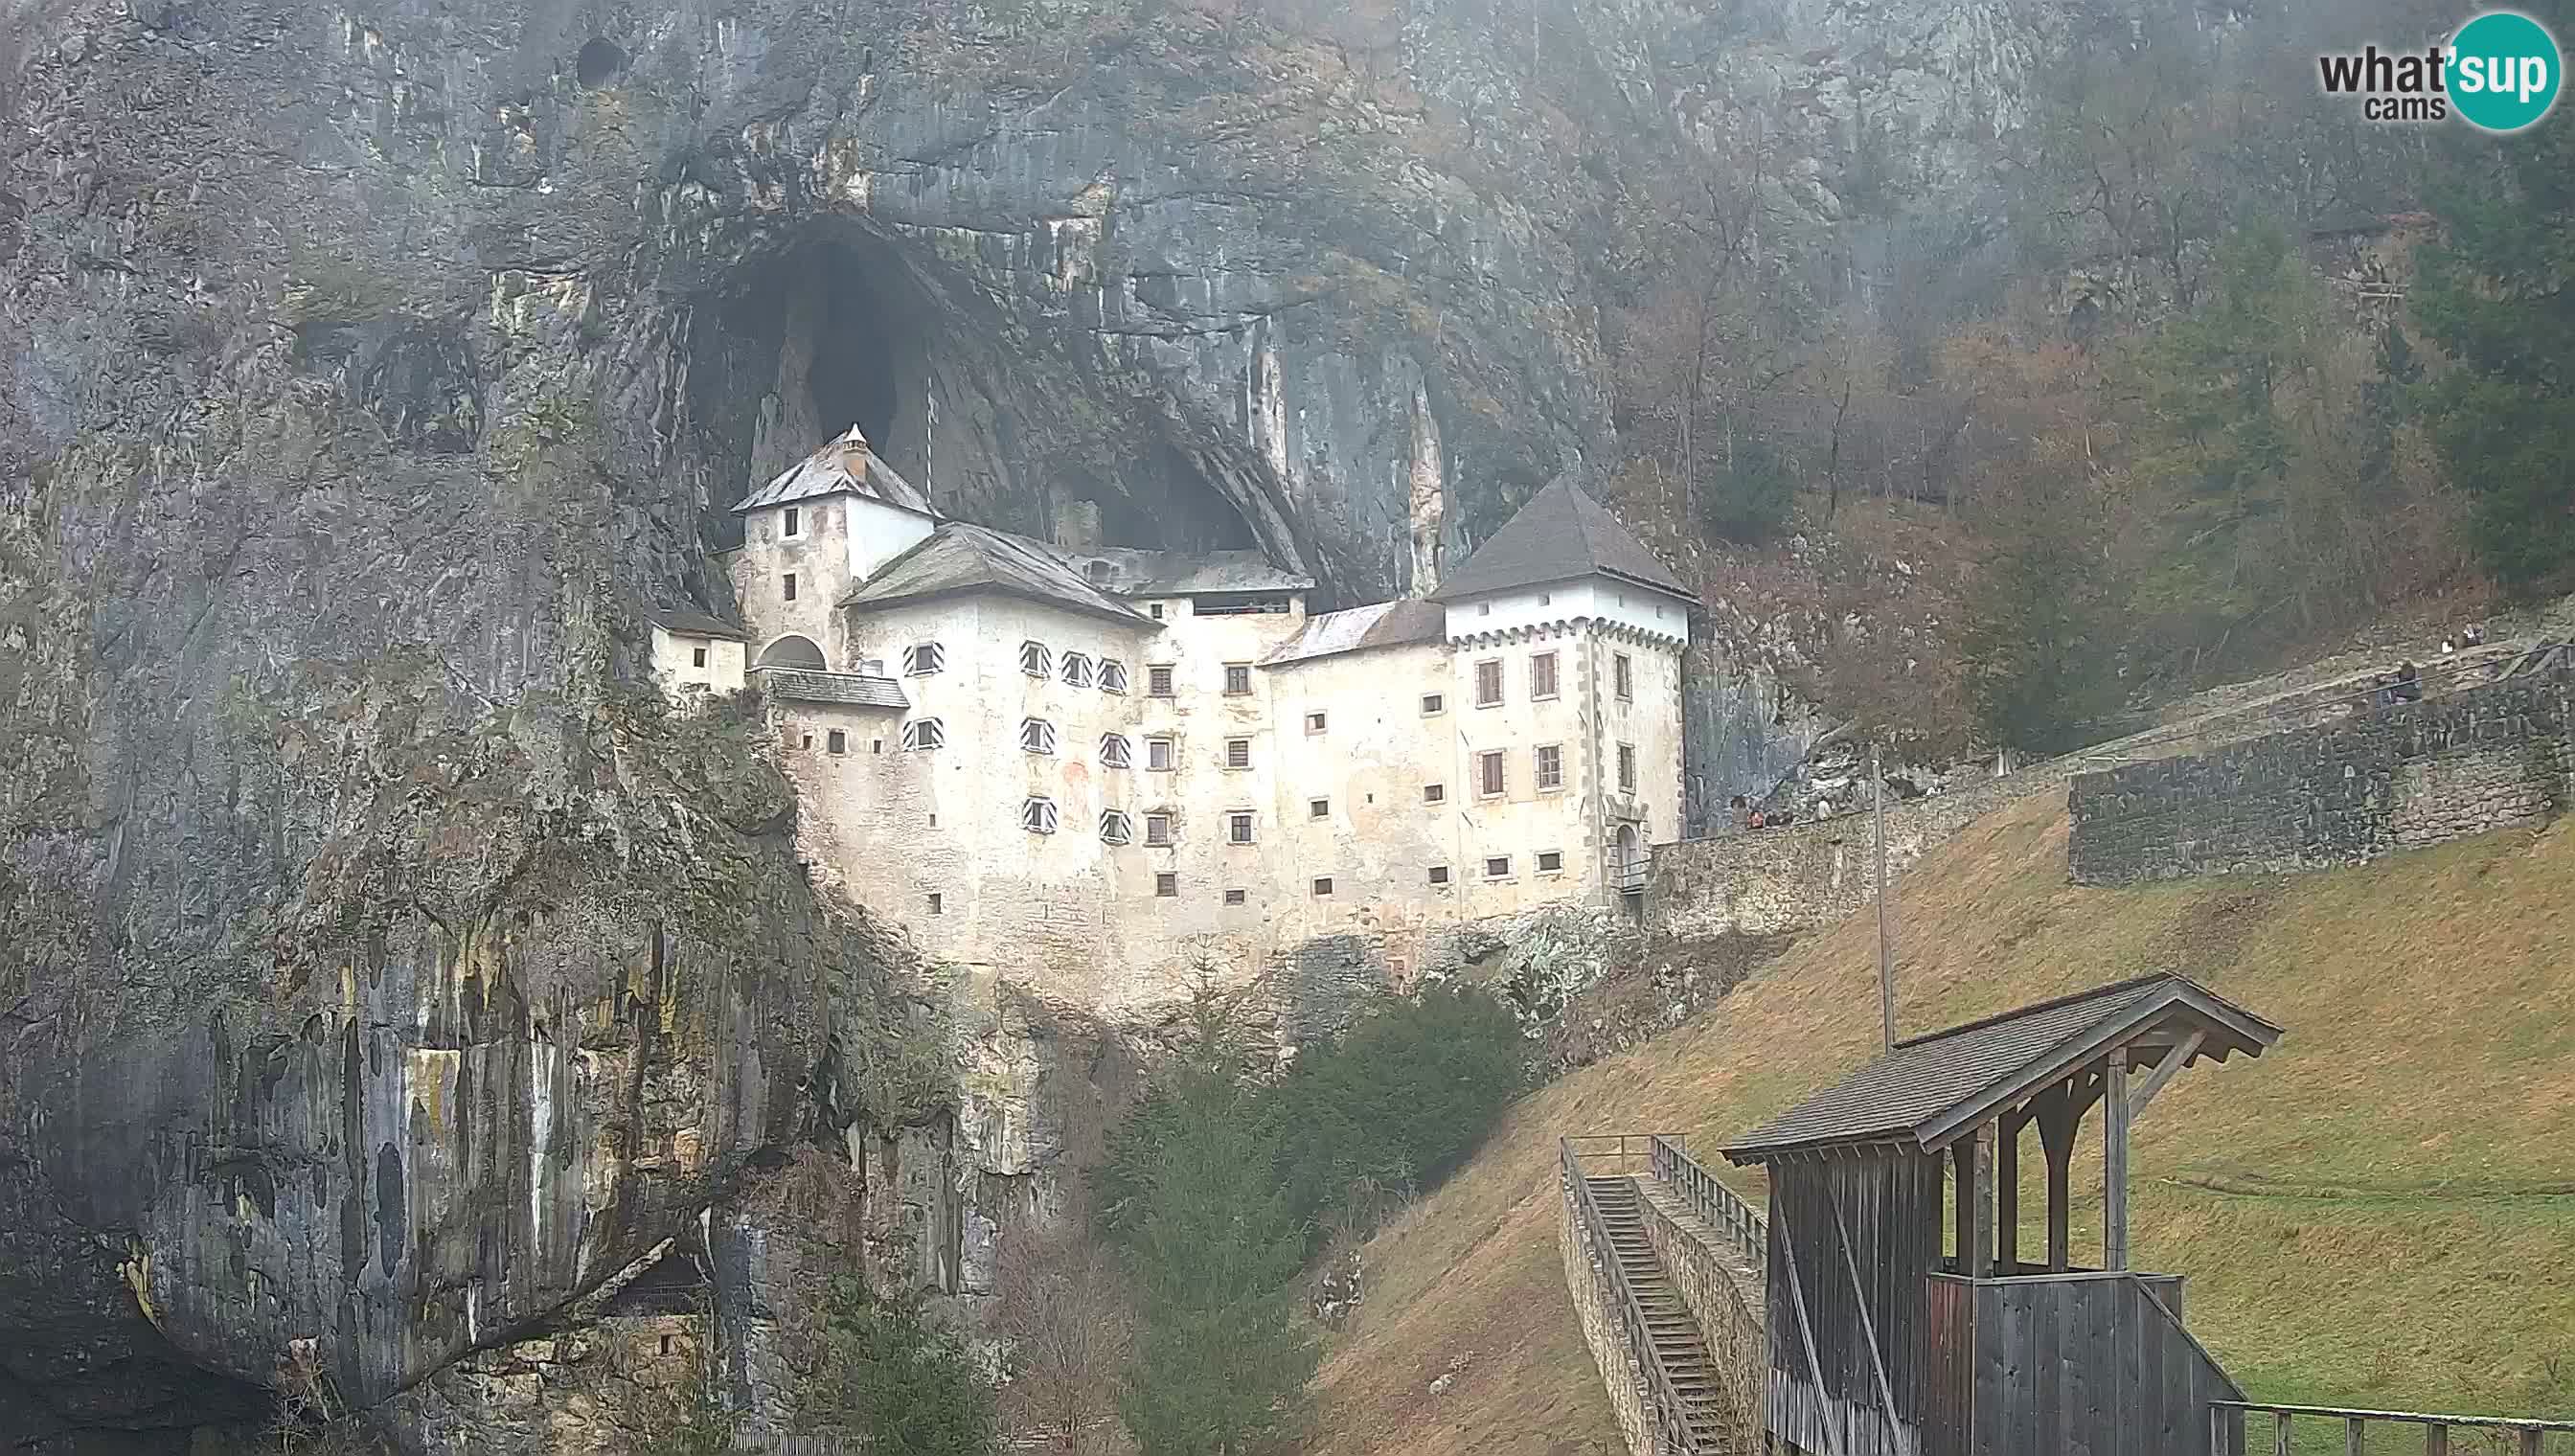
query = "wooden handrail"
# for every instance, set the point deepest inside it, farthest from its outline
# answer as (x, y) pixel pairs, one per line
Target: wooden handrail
(1717, 1205)
(2356, 1422)
(1671, 1416)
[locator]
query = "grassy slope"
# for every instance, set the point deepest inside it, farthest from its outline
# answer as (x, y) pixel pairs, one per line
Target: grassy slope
(2428, 1072)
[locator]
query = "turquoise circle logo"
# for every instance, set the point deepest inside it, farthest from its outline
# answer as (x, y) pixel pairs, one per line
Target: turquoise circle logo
(2503, 72)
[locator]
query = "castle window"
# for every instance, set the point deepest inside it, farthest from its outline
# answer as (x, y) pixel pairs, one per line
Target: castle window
(696, 657)
(934, 903)
(1237, 752)
(1098, 572)
(1157, 828)
(836, 741)
(1323, 887)
(1157, 609)
(1542, 676)
(1483, 609)
(1115, 827)
(923, 658)
(1549, 762)
(1234, 897)
(1238, 679)
(1114, 751)
(1238, 826)
(1318, 808)
(1628, 768)
(1551, 862)
(1498, 866)
(1433, 704)
(1035, 660)
(1036, 816)
(807, 742)
(1113, 676)
(1313, 722)
(788, 589)
(924, 732)
(795, 522)
(1489, 773)
(1439, 875)
(1434, 794)
(1167, 885)
(1157, 680)
(1036, 736)
(1158, 754)
(876, 745)
(1077, 670)
(1622, 673)
(1488, 683)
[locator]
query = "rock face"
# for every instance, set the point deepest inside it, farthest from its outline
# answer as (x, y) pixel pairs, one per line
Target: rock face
(376, 969)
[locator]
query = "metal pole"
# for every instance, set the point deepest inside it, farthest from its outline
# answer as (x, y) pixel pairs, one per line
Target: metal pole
(1885, 947)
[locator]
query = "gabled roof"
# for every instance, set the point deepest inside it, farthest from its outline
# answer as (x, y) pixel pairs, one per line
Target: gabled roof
(1385, 625)
(1932, 1088)
(688, 623)
(959, 558)
(1131, 572)
(851, 689)
(1560, 534)
(845, 465)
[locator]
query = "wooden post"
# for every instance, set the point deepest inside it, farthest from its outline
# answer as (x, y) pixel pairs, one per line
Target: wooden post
(2008, 1196)
(1885, 943)
(1976, 1190)
(2057, 1118)
(2114, 1164)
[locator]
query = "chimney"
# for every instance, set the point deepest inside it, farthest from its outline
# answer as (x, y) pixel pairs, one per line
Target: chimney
(854, 454)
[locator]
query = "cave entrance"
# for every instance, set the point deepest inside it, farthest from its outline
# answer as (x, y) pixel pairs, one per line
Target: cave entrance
(860, 353)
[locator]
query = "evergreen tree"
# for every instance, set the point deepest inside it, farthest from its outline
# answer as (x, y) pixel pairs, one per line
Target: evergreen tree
(1225, 1355)
(2039, 641)
(892, 1381)
(2494, 296)
(1748, 493)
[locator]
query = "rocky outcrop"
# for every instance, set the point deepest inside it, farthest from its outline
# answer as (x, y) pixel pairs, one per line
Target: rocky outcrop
(375, 968)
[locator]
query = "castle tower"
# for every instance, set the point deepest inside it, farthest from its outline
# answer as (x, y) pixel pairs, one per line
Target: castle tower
(820, 528)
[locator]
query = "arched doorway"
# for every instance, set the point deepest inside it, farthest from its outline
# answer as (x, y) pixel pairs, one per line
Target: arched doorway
(1631, 865)
(792, 652)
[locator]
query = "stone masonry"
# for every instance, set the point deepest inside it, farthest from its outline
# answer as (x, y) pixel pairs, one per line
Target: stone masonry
(1723, 1292)
(2389, 779)
(1621, 1374)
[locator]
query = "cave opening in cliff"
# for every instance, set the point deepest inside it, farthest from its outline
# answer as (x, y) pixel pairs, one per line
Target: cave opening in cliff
(860, 346)
(954, 388)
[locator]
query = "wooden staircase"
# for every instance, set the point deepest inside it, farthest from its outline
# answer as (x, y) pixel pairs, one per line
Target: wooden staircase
(1677, 1343)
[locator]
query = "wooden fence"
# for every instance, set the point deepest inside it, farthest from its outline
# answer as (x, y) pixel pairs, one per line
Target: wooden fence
(1665, 1412)
(1716, 1204)
(2231, 1419)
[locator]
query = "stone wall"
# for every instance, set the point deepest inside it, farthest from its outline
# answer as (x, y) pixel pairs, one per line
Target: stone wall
(2340, 793)
(1809, 875)
(1724, 1297)
(1621, 1374)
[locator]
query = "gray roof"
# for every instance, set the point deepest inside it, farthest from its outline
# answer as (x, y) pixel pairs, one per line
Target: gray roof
(1385, 625)
(1560, 534)
(1931, 1087)
(855, 689)
(846, 466)
(693, 624)
(959, 558)
(1130, 572)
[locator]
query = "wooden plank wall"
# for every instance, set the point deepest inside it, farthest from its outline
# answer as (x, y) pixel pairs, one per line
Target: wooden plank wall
(1877, 1217)
(2088, 1366)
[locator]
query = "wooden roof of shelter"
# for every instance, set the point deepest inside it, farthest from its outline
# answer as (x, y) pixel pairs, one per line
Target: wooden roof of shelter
(1933, 1088)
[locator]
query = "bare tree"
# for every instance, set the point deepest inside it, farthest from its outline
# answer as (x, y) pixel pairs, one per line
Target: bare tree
(1068, 1324)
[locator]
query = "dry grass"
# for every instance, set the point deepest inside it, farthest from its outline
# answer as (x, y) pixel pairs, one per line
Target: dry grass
(2363, 1213)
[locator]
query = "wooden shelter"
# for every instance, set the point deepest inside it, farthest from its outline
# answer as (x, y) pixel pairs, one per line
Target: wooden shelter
(1882, 1342)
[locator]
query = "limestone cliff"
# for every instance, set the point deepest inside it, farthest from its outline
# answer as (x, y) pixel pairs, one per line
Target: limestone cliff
(377, 970)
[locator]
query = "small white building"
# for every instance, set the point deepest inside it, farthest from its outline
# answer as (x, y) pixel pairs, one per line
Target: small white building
(1093, 771)
(695, 656)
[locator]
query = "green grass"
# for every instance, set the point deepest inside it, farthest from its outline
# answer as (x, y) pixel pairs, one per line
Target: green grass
(2358, 1214)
